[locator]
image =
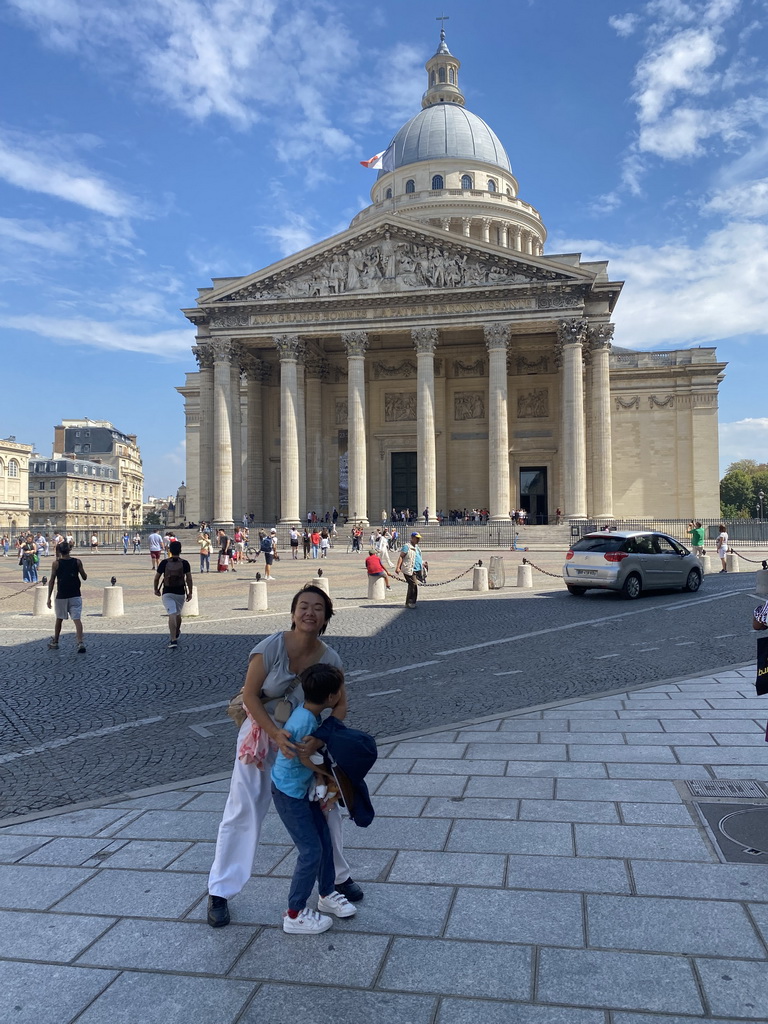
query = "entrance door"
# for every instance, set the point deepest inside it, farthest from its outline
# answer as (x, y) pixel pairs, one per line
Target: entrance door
(533, 493)
(404, 481)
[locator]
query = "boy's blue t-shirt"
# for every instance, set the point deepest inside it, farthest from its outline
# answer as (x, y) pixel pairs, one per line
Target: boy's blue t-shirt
(289, 774)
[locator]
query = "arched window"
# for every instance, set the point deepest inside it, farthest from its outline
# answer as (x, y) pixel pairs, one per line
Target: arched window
(451, 76)
(441, 74)
(410, 185)
(2, 468)
(466, 181)
(389, 194)
(437, 182)
(491, 185)
(432, 78)
(13, 466)
(509, 191)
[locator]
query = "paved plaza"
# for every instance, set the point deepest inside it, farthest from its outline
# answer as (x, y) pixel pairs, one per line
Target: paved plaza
(538, 855)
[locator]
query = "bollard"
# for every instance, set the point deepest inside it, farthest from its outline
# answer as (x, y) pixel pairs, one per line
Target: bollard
(497, 576)
(40, 606)
(761, 579)
(480, 577)
(524, 576)
(112, 603)
(732, 562)
(190, 607)
(322, 582)
(257, 596)
(706, 564)
(377, 588)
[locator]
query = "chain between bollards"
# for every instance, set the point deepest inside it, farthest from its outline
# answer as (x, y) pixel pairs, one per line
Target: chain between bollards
(755, 561)
(554, 575)
(442, 583)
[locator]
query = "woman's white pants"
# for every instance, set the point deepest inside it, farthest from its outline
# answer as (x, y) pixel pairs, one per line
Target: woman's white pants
(250, 794)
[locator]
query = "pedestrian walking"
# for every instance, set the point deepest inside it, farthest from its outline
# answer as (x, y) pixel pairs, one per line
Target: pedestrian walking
(315, 538)
(173, 582)
(66, 573)
(267, 548)
(382, 548)
(126, 542)
(137, 543)
(722, 546)
(94, 544)
(271, 683)
(411, 564)
(306, 543)
(28, 559)
(155, 542)
(293, 537)
(204, 543)
(325, 543)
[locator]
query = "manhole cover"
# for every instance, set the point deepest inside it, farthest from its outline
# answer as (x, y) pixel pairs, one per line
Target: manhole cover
(726, 788)
(740, 831)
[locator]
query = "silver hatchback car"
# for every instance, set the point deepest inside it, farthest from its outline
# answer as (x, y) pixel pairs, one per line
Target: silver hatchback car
(630, 562)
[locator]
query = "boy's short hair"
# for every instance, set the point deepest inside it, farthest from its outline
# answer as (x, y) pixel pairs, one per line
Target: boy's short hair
(320, 681)
(175, 547)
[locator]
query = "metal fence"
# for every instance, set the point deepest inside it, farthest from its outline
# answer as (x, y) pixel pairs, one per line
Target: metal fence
(746, 533)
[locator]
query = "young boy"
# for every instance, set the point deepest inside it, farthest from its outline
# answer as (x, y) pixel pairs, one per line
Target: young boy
(323, 688)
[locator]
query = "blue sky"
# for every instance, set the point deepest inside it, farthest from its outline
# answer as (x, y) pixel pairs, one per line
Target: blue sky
(147, 147)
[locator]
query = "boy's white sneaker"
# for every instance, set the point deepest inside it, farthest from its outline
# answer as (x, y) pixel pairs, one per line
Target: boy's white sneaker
(309, 922)
(336, 904)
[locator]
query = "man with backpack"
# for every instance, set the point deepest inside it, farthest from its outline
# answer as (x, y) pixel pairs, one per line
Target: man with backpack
(66, 573)
(175, 575)
(267, 547)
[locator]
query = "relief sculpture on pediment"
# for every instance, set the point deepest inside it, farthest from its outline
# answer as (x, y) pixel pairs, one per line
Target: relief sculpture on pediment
(390, 265)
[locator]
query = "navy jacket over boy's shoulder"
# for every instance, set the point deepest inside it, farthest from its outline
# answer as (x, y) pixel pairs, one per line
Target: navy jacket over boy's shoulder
(355, 753)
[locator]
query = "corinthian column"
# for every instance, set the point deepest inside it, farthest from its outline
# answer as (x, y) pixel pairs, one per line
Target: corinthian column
(600, 422)
(204, 356)
(254, 455)
(497, 342)
(356, 342)
(237, 433)
(288, 349)
(302, 429)
(425, 340)
(222, 433)
(317, 371)
(571, 335)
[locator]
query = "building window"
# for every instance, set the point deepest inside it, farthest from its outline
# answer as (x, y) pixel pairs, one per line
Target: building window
(441, 74)
(52, 504)
(76, 504)
(111, 506)
(2, 468)
(41, 504)
(86, 447)
(41, 485)
(432, 78)
(13, 468)
(103, 488)
(103, 509)
(466, 181)
(491, 185)
(52, 485)
(451, 76)
(437, 183)
(388, 194)
(410, 185)
(77, 447)
(77, 433)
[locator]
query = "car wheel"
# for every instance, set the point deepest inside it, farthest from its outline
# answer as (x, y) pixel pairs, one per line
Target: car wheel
(632, 587)
(694, 581)
(576, 591)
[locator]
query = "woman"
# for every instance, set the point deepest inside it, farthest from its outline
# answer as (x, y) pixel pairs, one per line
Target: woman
(325, 542)
(273, 666)
(306, 543)
(293, 536)
(722, 546)
(29, 560)
(375, 568)
(204, 543)
(315, 538)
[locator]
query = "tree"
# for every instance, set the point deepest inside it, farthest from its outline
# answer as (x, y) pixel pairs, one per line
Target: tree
(748, 466)
(737, 491)
(152, 519)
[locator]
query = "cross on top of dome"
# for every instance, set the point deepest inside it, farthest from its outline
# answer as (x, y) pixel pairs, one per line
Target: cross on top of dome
(443, 47)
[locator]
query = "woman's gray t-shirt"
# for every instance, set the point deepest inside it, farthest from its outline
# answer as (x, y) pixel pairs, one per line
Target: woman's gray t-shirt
(279, 675)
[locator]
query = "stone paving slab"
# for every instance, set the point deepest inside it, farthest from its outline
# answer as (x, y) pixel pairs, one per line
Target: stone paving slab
(519, 871)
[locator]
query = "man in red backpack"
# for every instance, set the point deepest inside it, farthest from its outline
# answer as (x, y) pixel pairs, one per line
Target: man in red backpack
(175, 575)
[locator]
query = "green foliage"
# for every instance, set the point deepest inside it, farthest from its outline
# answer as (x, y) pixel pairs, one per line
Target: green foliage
(737, 491)
(152, 519)
(728, 512)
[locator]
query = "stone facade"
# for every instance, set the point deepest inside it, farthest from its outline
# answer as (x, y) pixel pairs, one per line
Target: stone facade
(431, 356)
(75, 496)
(14, 475)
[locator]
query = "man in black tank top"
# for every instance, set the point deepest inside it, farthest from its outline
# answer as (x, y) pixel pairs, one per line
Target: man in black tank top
(66, 573)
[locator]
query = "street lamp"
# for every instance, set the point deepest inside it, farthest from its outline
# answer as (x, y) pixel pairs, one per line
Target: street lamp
(761, 497)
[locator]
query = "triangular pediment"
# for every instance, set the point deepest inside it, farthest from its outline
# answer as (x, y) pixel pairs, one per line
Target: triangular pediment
(395, 256)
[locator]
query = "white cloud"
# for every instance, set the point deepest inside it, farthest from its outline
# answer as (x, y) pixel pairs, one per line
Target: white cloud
(294, 233)
(34, 233)
(746, 201)
(680, 295)
(41, 165)
(743, 439)
(678, 65)
(623, 24)
(110, 336)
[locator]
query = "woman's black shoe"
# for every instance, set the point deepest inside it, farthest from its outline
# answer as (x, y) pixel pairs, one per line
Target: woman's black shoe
(350, 889)
(218, 912)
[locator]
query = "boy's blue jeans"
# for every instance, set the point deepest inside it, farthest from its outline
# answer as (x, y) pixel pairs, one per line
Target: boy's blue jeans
(308, 829)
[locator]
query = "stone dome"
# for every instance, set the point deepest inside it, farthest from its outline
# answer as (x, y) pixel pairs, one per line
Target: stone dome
(445, 131)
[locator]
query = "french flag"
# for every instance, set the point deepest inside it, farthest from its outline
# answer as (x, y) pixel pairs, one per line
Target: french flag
(383, 161)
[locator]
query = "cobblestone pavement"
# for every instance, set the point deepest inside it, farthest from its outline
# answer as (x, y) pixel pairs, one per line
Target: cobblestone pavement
(549, 866)
(130, 712)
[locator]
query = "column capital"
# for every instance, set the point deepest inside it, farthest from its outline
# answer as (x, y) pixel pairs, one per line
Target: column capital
(204, 356)
(355, 342)
(289, 346)
(496, 336)
(573, 331)
(317, 367)
(601, 335)
(252, 367)
(222, 349)
(425, 340)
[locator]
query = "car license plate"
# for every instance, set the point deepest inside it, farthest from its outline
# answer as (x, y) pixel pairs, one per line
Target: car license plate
(587, 572)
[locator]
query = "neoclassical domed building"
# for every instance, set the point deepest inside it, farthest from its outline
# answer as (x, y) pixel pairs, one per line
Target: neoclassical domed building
(432, 356)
